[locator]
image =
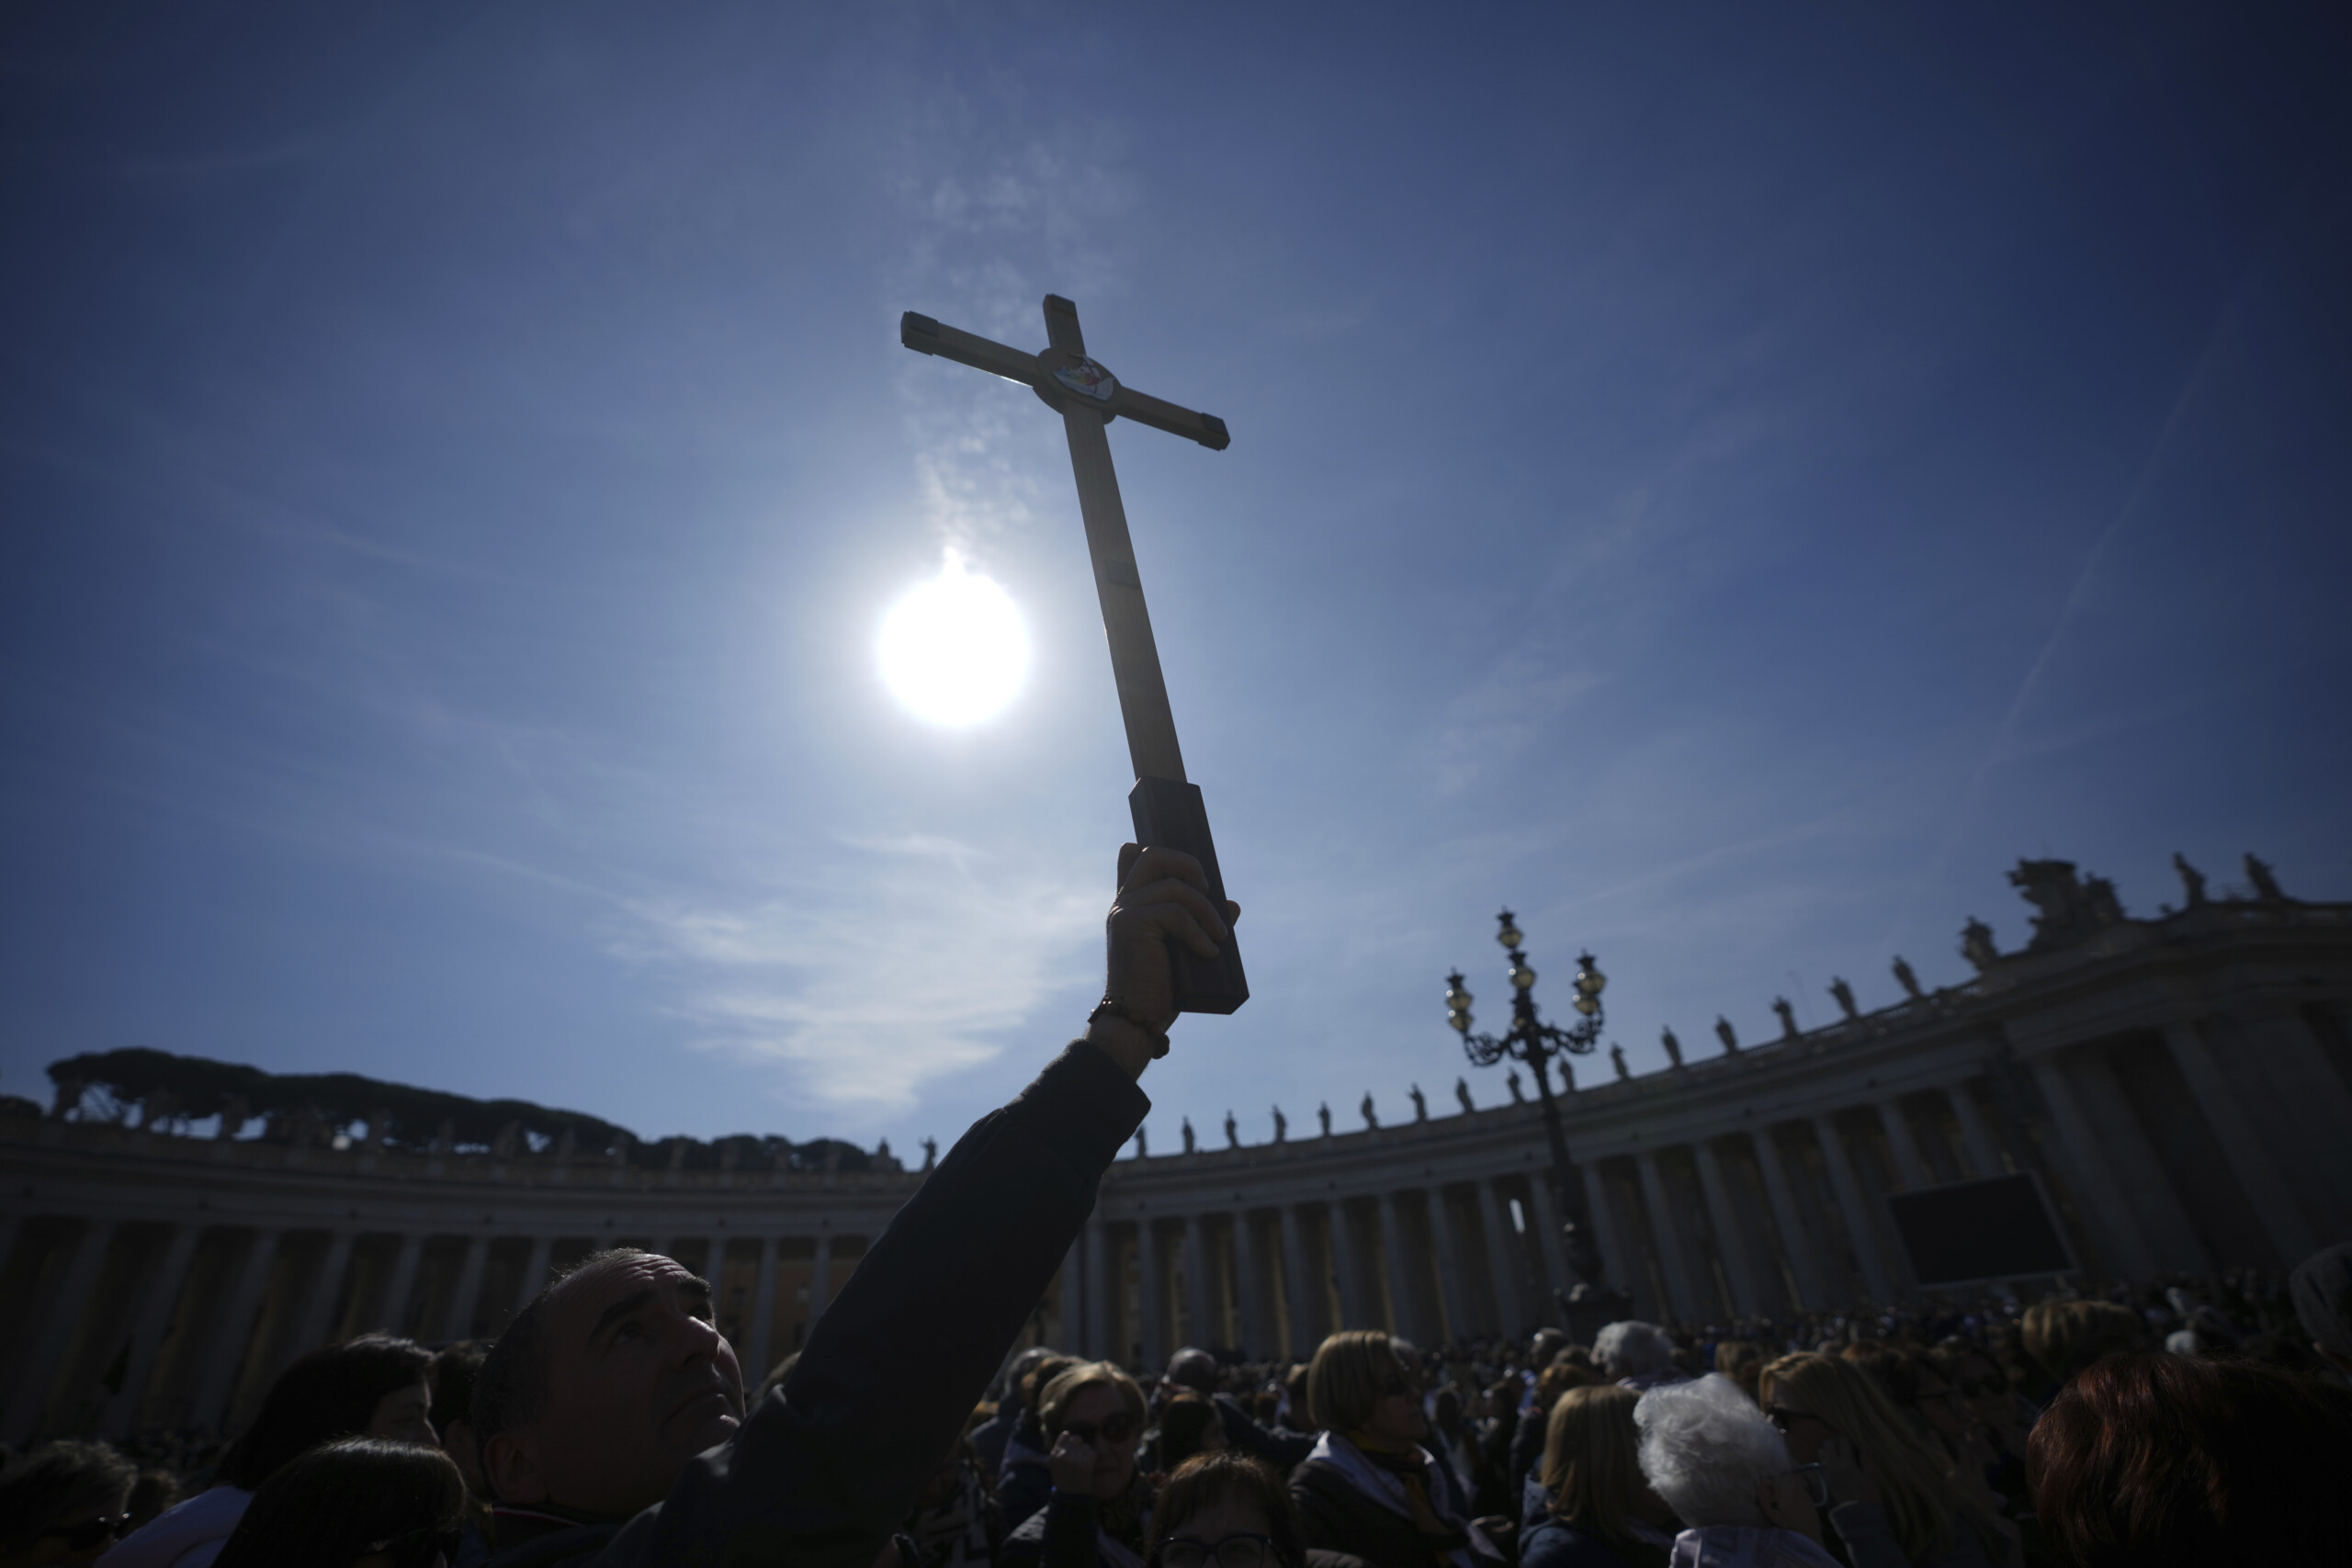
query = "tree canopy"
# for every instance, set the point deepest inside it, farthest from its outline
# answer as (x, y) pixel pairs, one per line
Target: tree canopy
(169, 1091)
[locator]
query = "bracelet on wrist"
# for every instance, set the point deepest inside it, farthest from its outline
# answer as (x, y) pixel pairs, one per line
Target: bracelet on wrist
(1111, 1006)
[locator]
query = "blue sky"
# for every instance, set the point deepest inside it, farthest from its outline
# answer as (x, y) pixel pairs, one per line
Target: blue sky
(1726, 481)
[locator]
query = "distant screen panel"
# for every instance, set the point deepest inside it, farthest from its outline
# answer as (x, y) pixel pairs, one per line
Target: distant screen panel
(1999, 1228)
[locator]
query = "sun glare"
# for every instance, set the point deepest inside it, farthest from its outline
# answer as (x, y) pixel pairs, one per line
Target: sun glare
(954, 650)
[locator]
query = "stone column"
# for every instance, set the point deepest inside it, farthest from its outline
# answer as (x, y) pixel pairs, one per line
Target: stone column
(2127, 1249)
(1551, 1245)
(391, 1312)
(154, 1321)
(458, 1323)
(1862, 1223)
(2322, 1097)
(1352, 1312)
(1403, 1319)
(58, 1317)
(820, 1278)
(1671, 1257)
(1097, 1342)
(2125, 1147)
(1256, 1341)
(234, 1332)
(318, 1313)
(534, 1269)
(1151, 1325)
(763, 1326)
(1910, 1168)
(1740, 1249)
(1200, 1308)
(1503, 1256)
(1295, 1272)
(1616, 1258)
(1449, 1267)
(1803, 1266)
(1975, 1137)
(2274, 1204)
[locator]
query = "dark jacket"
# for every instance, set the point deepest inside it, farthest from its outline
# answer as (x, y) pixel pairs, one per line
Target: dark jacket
(1498, 1488)
(828, 1464)
(1555, 1543)
(1526, 1449)
(1059, 1535)
(1335, 1517)
(1022, 1490)
(988, 1438)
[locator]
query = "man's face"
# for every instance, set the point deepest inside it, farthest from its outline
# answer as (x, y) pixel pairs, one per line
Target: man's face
(639, 1383)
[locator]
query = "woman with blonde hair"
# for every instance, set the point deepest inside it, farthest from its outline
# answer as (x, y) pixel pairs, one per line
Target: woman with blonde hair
(1600, 1510)
(1370, 1489)
(1092, 1416)
(1893, 1498)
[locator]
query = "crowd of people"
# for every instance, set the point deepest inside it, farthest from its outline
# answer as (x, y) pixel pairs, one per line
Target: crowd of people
(609, 1426)
(2205, 1422)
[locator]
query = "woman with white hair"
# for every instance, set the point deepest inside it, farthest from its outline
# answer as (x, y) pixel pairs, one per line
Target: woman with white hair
(1709, 1452)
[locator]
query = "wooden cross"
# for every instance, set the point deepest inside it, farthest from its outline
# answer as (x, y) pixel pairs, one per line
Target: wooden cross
(1167, 810)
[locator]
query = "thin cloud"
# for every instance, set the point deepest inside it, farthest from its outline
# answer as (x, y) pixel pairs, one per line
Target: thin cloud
(900, 967)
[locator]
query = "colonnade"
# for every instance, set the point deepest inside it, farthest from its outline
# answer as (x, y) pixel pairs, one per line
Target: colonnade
(2181, 1105)
(1433, 1262)
(124, 1324)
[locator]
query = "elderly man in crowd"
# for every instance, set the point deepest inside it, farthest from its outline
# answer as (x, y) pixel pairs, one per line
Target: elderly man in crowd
(610, 1414)
(1639, 1356)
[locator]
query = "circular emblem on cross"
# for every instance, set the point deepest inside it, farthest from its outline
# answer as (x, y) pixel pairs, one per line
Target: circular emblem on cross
(1087, 378)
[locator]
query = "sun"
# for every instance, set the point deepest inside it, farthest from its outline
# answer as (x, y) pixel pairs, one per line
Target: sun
(953, 650)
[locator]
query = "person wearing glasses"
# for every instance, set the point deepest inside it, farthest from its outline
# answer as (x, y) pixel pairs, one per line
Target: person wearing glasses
(1092, 1415)
(1227, 1510)
(1895, 1498)
(1598, 1511)
(1370, 1489)
(1719, 1464)
(63, 1502)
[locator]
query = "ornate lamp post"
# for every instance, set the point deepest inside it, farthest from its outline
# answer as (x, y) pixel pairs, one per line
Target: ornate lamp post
(1537, 1044)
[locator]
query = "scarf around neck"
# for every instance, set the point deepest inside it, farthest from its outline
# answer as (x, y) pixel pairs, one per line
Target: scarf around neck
(1380, 1475)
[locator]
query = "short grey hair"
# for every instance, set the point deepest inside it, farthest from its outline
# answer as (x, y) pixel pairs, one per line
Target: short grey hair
(1629, 1349)
(1703, 1448)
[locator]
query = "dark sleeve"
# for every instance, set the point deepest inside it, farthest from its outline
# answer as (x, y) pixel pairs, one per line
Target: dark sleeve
(1320, 1525)
(1526, 1449)
(1497, 1491)
(1545, 1546)
(1284, 1450)
(830, 1464)
(1333, 1518)
(1868, 1536)
(1023, 1492)
(1071, 1524)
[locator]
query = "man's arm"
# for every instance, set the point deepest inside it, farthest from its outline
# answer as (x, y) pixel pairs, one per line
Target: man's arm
(828, 1464)
(1284, 1450)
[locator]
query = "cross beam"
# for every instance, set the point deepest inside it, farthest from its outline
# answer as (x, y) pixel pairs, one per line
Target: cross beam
(1166, 809)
